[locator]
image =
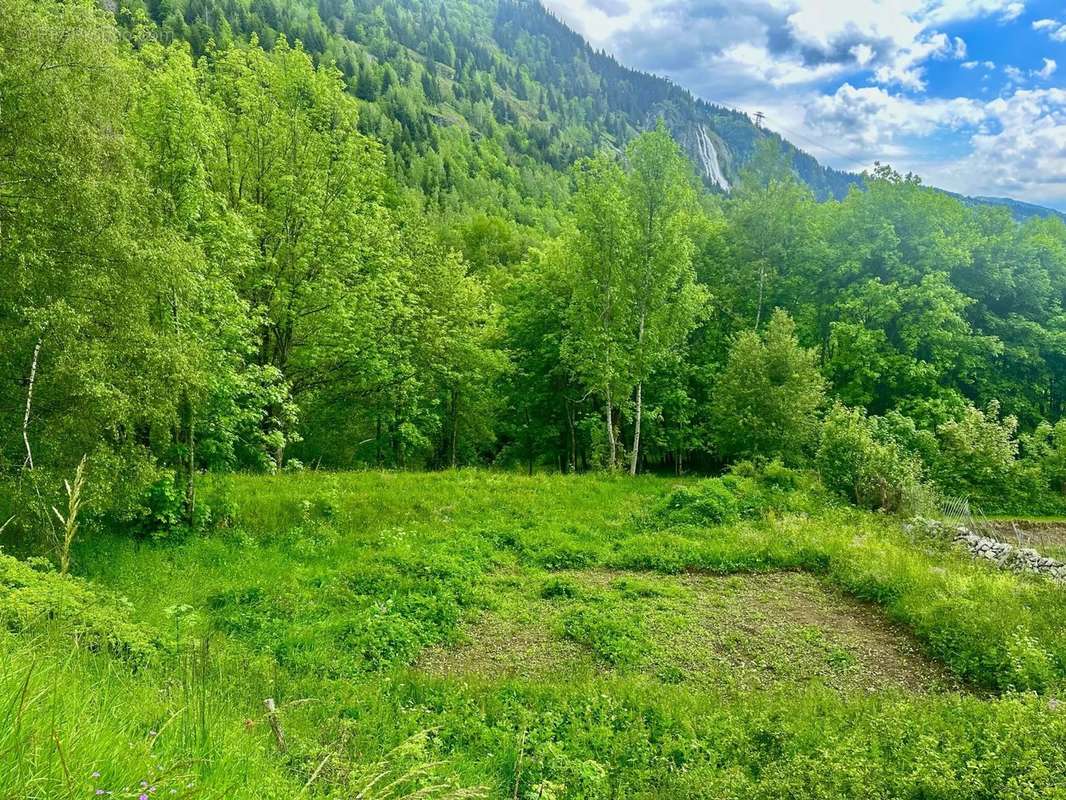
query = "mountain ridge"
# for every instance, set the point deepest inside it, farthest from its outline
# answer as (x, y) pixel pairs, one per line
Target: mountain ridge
(449, 84)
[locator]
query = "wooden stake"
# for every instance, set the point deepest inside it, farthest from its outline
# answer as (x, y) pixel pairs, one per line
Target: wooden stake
(275, 723)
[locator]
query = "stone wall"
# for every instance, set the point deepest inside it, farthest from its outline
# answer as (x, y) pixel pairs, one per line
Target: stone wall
(1003, 554)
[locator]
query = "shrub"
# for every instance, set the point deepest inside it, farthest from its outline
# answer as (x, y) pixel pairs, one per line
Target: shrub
(709, 502)
(860, 459)
(94, 619)
(979, 459)
(1044, 453)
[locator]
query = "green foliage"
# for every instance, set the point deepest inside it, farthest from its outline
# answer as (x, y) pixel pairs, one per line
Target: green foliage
(1045, 449)
(747, 492)
(979, 459)
(868, 461)
(611, 635)
(31, 600)
(767, 398)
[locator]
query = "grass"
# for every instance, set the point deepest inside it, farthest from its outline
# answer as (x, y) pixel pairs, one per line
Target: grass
(531, 637)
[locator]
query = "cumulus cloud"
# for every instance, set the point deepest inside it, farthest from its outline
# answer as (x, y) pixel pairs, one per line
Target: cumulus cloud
(1014, 145)
(1011, 12)
(871, 118)
(1022, 148)
(1047, 70)
(1055, 30)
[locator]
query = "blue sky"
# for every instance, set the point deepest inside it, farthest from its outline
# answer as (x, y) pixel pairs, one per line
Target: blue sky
(969, 94)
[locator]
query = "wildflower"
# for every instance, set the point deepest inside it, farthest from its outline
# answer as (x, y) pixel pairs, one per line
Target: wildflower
(144, 784)
(143, 796)
(96, 775)
(153, 733)
(99, 792)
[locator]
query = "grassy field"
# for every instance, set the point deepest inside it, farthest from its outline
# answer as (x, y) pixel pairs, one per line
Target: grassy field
(484, 634)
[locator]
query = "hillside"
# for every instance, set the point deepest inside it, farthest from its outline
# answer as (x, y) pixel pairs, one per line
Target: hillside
(450, 83)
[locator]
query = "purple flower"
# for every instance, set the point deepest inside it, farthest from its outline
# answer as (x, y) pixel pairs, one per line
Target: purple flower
(143, 797)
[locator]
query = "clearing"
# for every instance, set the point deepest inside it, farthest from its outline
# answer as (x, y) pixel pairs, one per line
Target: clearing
(739, 632)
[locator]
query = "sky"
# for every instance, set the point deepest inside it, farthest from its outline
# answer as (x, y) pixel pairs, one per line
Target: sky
(969, 94)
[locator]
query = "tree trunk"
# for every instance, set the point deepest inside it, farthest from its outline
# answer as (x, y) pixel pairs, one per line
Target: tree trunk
(640, 397)
(573, 437)
(28, 464)
(613, 459)
(529, 442)
(636, 430)
(762, 283)
(455, 427)
(377, 443)
(190, 460)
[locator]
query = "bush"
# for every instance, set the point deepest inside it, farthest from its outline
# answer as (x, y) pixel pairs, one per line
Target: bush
(29, 598)
(747, 491)
(767, 398)
(979, 460)
(709, 502)
(861, 459)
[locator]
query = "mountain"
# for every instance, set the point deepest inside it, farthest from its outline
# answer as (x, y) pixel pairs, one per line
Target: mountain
(483, 103)
(1020, 210)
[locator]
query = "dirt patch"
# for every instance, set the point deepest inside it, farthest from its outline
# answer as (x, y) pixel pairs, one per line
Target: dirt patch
(738, 632)
(497, 647)
(790, 627)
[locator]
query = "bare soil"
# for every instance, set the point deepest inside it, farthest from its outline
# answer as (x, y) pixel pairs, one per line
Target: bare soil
(734, 632)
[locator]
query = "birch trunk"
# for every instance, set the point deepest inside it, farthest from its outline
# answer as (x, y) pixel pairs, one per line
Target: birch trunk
(640, 405)
(28, 464)
(636, 432)
(613, 461)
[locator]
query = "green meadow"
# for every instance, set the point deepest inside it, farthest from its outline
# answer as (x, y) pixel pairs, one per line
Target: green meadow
(476, 633)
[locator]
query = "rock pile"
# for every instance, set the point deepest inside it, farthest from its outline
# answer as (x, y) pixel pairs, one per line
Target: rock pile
(1002, 554)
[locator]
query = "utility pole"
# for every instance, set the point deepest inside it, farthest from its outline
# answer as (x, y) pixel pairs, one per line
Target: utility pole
(759, 117)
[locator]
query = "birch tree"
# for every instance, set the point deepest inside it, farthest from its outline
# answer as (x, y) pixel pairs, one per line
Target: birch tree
(601, 250)
(666, 297)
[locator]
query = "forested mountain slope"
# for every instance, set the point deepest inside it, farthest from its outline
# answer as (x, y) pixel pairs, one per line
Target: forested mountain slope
(493, 92)
(453, 85)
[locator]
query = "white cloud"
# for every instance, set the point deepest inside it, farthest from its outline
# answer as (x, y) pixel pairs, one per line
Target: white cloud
(1011, 145)
(1023, 149)
(1011, 12)
(872, 118)
(1014, 73)
(1055, 30)
(1047, 70)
